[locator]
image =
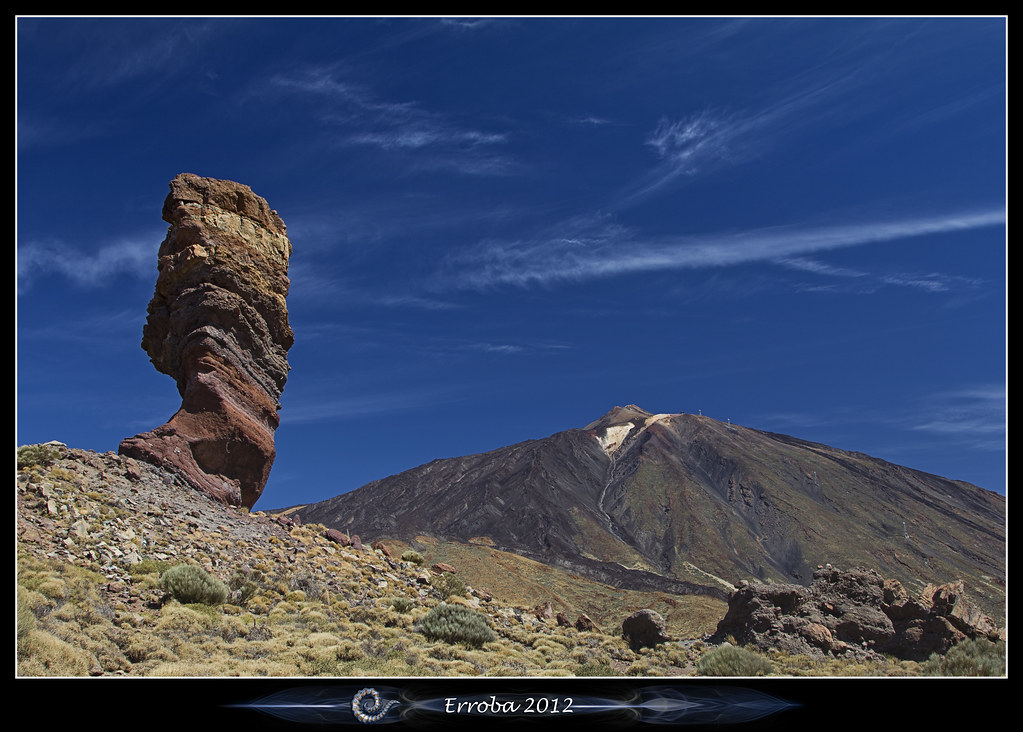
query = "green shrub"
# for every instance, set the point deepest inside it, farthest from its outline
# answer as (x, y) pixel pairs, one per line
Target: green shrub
(448, 584)
(978, 657)
(41, 455)
(207, 610)
(402, 604)
(244, 584)
(43, 654)
(307, 584)
(412, 556)
(149, 566)
(26, 618)
(594, 668)
(730, 660)
(191, 584)
(456, 624)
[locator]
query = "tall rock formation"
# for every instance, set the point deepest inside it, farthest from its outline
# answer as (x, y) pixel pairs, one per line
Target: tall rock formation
(218, 324)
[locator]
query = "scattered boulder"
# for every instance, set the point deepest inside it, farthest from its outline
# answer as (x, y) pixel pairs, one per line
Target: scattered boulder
(218, 325)
(644, 629)
(337, 537)
(544, 611)
(382, 548)
(818, 635)
(562, 620)
(441, 568)
(483, 594)
(950, 601)
(855, 611)
(583, 623)
(57, 446)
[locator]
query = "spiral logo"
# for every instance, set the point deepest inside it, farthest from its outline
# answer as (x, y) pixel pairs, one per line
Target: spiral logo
(372, 710)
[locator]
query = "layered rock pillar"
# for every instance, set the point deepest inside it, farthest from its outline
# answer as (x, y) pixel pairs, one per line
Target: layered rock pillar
(218, 324)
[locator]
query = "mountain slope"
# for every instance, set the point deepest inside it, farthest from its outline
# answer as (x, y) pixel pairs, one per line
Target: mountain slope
(684, 503)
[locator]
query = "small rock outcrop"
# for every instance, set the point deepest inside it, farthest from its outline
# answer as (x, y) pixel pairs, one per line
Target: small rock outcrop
(544, 611)
(337, 537)
(854, 612)
(586, 625)
(644, 629)
(218, 324)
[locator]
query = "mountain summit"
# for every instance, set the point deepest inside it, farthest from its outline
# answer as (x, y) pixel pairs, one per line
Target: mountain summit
(619, 416)
(685, 503)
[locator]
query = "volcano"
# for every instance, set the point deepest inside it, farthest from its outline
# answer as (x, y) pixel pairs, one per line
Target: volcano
(687, 504)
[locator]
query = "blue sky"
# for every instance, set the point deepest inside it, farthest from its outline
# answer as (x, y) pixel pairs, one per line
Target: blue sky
(503, 227)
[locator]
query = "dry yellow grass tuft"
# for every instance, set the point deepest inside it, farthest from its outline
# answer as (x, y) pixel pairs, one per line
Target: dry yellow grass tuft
(90, 601)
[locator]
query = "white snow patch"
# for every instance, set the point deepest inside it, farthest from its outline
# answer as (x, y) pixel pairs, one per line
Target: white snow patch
(655, 418)
(614, 436)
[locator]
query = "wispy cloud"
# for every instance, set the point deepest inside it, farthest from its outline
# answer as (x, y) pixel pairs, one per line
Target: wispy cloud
(465, 25)
(868, 283)
(948, 110)
(974, 416)
(432, 140)
(413, 301)
(319, 286)
(321, 80)
(496, 347)
(960, 421)
(810, 265)
(309, 408)
(419, 136)
(99, 268)
(687, 145)
(605, 249)
(711, 138)
(931, 281)
(594, 121)
(146, 50)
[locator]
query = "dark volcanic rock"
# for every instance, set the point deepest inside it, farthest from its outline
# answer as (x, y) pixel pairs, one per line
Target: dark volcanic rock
(585, 624)
(644, 629)
(218, 324)
(337, 537)
(853, 611)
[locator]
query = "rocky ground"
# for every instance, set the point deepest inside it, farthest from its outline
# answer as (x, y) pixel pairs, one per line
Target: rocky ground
(107, 512)
(323, 604)
(95, 531)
